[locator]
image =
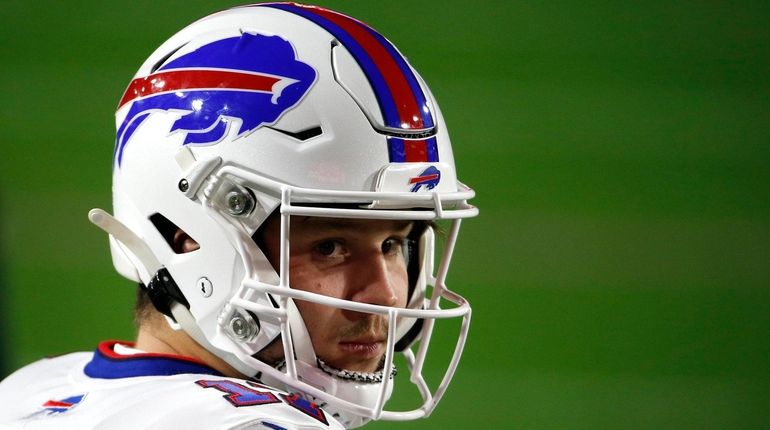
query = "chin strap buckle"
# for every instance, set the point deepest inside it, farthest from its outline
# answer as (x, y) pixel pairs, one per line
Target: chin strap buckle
(163, 291)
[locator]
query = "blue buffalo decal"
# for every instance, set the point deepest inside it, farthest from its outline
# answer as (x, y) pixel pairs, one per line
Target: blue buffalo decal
(253, 78)
(429, 178)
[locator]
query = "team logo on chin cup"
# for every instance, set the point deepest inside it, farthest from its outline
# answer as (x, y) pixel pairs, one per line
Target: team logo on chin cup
(429, 178)
(252, 78)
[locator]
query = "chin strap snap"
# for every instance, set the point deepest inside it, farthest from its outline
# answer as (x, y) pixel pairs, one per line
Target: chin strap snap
(163, 292)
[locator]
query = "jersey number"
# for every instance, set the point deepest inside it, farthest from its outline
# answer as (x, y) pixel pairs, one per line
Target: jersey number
(240, 395)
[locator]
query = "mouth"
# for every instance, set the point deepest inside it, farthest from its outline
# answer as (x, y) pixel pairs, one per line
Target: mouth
(363, 348)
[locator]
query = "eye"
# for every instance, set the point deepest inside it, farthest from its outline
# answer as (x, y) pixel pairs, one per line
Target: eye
(328, 248)
(392, 246)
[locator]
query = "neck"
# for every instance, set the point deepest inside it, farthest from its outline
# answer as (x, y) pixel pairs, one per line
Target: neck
(156, 336)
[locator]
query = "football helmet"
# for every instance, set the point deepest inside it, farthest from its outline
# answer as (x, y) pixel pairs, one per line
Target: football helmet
(291, 110)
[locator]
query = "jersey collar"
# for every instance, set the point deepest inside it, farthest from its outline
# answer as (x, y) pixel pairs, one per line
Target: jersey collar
(107, 364)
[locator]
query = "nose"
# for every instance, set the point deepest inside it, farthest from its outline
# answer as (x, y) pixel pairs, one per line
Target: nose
(377, 280)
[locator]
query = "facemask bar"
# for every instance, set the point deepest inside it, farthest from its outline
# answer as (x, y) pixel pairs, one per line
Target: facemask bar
(451, 206)
(443, 205)
(415, 361)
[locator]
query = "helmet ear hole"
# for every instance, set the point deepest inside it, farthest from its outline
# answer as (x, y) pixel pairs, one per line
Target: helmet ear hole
(183, 243)
(176, 238)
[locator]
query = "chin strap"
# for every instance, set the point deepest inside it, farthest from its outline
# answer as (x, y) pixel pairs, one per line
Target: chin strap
(167, 297)
(161, 287)
(300, 337)
(185, 319)
(356, 387)
(164, 292)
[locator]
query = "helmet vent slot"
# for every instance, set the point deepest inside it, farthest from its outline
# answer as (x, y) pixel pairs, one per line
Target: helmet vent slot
(408, 135)
(302, 135)
(165, 58)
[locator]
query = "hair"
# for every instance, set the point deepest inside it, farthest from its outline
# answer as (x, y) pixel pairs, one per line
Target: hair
(143, 307)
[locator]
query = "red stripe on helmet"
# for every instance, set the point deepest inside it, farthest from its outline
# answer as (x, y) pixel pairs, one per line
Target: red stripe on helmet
(408, 109)
(416, 150)
(178, 80)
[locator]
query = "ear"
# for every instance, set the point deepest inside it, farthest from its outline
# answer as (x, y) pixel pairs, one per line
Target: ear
(183, 243)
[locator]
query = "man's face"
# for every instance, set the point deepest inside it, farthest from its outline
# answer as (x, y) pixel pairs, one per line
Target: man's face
(358, 260)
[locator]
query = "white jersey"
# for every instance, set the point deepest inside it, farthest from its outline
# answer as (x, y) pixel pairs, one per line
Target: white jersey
(107, 390)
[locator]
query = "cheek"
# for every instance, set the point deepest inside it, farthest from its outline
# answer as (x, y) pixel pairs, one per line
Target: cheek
(400, 284)
(319, 319)
(321, 325)
(305, 276)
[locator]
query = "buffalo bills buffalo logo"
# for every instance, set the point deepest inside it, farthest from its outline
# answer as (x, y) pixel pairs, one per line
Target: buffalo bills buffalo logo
(57, 407)
(252, 79)
(429, 178)
(63, 405)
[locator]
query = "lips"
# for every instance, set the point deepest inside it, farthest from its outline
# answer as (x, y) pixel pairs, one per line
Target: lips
(363, 347)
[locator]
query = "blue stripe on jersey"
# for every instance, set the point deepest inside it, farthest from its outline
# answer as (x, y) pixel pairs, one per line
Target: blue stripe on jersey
(106, 364)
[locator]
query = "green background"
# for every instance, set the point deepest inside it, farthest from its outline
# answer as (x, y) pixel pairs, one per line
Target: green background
(619, 271)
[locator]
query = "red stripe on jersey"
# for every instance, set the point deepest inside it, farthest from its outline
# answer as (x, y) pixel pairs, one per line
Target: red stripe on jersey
(55, 404)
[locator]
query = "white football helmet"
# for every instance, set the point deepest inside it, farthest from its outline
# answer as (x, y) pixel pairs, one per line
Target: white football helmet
(295, 110)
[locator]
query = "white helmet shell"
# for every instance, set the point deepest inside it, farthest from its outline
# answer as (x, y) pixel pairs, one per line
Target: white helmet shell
(291, 108)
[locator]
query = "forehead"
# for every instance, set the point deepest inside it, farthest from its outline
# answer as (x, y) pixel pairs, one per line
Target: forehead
(350, 225)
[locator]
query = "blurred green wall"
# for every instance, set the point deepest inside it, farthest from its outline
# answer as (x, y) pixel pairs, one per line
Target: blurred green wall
(619, 271)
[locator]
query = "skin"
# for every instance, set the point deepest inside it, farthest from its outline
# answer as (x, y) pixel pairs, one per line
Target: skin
(155, 335)
(357, 260)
